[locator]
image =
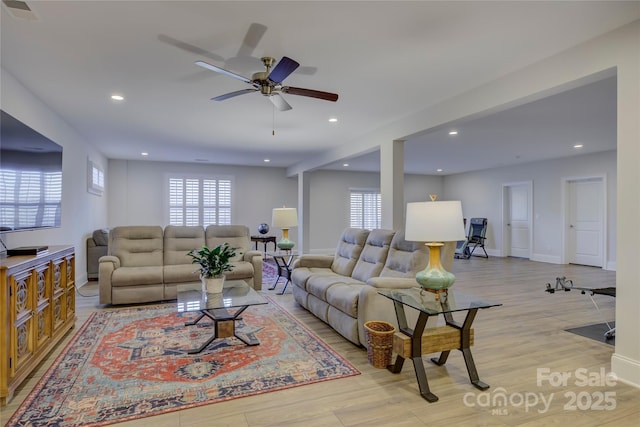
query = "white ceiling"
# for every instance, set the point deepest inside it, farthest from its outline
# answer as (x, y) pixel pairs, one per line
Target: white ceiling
(386, 60)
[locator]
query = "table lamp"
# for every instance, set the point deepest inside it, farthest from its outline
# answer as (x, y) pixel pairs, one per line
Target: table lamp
(434, 223)
(285, 218)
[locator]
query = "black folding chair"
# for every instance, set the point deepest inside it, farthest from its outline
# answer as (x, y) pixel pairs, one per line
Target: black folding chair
(475, 239)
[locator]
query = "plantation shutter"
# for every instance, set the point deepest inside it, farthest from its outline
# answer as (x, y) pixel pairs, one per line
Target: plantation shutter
(199, 201)
(365, 209)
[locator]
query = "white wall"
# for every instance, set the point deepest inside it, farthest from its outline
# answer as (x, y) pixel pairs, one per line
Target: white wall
(329, 205)
(137, 192)
(82, 212)
(481, 195)
(136, 195)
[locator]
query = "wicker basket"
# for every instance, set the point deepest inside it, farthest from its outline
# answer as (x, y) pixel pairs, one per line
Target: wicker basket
(379, 342)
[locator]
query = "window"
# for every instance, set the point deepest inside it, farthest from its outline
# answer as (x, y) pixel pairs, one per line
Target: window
(199, 201)
(95, 178)
(365, 209)
(30, 198)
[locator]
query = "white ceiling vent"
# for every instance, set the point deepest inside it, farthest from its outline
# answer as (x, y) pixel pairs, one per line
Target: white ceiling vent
(20, 10)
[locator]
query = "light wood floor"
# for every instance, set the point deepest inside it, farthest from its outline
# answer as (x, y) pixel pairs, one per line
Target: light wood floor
(511, 343)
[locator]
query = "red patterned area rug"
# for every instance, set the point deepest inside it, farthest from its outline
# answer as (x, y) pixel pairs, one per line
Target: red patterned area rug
(131, 363)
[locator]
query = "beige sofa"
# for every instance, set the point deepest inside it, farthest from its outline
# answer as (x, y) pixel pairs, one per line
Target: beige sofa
(145, 263)
(342, 290)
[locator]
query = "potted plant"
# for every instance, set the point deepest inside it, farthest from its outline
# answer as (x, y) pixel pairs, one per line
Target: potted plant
(213, 263)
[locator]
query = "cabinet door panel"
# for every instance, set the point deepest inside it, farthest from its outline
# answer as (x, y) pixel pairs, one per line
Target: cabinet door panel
(21, 329)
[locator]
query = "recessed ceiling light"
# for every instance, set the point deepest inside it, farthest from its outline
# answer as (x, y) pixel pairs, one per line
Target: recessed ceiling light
(438, 170)
(144, 153)
(117, 97)
(267, 160)
(333, 120)
(578, 146)
(453, 132)
(345, 165)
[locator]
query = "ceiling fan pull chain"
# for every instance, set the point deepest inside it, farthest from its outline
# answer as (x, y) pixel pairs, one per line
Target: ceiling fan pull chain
(273, 130)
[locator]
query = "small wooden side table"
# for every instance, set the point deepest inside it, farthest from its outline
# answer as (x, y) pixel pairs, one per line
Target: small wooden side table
(264, 240)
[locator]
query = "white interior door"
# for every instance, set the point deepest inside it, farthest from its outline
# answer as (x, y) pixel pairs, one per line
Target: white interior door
(518, 220)
(585, 222)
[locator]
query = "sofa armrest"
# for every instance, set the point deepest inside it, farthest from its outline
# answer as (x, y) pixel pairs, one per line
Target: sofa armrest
(392, 282)
(255, 258)
(248, 256)
(107, 265)
(373, 306)
(314, 261)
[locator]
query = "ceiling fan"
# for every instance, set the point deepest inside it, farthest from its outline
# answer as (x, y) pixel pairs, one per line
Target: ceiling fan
(269, 82)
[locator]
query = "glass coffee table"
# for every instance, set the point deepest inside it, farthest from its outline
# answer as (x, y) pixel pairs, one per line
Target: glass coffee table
(414, 342)
(223, 308)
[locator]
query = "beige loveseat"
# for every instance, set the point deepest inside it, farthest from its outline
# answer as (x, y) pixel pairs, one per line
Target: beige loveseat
(342, 290)
(145, 263)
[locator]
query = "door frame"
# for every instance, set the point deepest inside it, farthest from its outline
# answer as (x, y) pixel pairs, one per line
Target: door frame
(505, 215)
(564, 256)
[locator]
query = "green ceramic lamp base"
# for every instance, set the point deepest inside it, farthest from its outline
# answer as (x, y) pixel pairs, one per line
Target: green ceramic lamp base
(285, 244)
(435, 277)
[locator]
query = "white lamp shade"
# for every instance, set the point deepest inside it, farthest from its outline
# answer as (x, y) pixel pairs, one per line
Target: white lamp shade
(284, 217)
(434, 222)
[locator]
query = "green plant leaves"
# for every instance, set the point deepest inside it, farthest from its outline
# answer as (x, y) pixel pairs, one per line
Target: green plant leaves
(213, 262)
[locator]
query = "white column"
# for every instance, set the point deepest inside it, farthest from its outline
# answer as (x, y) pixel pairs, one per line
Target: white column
(304, 197)
(625, 362)
(392, 184)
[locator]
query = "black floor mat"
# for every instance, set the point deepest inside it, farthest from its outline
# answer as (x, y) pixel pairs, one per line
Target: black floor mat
(595, 332)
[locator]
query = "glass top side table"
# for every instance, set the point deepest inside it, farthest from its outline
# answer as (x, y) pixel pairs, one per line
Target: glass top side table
(283, 260)
(414, 342)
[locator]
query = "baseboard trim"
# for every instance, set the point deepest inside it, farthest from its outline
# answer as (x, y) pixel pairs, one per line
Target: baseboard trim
(627, 370)
(551, 259)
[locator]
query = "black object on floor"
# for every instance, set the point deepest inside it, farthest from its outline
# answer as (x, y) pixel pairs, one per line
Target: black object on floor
(595, 332)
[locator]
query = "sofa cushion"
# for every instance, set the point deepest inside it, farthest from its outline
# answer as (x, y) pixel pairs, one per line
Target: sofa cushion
(240, 270)
(373, 255)
(101, 237)
(348, 250)
(319, 284)
(136, 276)
(300, 276)
(344, 297)
(138, 246)
(237, 236)
(181, 273)
(179, 241)
(405, 258)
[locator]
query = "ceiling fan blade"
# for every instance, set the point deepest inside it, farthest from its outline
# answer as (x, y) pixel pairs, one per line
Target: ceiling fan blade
(189, 47)
(283, 68)
(279, 102)
(233, 94)
(223, 71)
(251, 39)
(310, 93)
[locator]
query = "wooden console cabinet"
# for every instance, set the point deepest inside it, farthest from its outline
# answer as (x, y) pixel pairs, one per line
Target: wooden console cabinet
(37, 308)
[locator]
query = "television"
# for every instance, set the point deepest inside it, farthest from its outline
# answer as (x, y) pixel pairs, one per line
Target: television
(30, 178)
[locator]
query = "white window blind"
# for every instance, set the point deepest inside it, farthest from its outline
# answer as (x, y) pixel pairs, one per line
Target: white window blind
(365, 209)
(199, 201)
(30, 198)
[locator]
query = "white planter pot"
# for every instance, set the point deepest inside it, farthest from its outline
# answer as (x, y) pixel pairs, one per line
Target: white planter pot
(213, 285)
